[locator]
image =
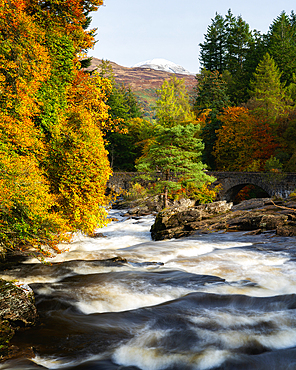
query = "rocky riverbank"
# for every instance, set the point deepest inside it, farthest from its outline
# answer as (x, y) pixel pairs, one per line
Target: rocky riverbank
(17, 312)
(254, 216)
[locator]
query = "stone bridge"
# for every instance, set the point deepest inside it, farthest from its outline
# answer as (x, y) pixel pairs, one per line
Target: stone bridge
(274, 184)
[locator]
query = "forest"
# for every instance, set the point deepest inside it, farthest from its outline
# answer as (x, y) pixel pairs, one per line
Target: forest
(64, 130)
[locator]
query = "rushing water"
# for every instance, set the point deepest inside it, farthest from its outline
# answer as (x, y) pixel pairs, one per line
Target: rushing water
(216, 301)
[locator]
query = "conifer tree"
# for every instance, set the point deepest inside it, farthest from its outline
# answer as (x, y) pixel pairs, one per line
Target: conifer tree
(281, 45)
(175, 151)
(267, 91)
(213, 50)
(211, 98)
(228, 48)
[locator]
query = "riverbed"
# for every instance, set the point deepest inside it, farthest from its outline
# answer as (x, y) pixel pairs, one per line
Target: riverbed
(123, 301)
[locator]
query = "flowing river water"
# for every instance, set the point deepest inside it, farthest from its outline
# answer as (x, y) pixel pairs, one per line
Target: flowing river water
(215, 301)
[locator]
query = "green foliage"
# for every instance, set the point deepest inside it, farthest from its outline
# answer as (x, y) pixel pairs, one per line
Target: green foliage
(211, 98)
(173, 103)
(267, 91)
(136, 192)
(211, 92)
(212, 54)
(124, 107)
(273, 165)
(281, 45)
(227, 46)
(175, 151)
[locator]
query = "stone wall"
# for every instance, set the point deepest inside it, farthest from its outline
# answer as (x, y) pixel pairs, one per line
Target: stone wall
(275, 184)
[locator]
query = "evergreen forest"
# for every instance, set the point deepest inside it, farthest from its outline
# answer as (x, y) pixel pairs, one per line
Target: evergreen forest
(63, 130)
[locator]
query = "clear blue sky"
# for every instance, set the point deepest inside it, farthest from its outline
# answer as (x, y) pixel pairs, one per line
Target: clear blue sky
(132, 31)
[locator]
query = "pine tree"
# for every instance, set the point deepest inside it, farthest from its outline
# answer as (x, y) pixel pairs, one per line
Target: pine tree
(211, 98)
(281, 45)
(175, 151)
(238, 42)
(267, 91)
(227, 48)
(213, 50)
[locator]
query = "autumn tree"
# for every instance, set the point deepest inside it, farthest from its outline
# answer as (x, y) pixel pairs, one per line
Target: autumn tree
(78, 165)
(26, 201)
(244, 141)
(52, 153)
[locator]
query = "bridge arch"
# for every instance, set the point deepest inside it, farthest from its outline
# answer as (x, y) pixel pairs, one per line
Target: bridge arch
(230, 194)
(281, 184)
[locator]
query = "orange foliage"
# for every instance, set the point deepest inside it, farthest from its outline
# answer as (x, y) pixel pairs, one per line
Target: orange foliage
(54, 170)
(244, 142)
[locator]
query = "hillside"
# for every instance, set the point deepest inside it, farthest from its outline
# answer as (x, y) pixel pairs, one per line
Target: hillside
(143, 81)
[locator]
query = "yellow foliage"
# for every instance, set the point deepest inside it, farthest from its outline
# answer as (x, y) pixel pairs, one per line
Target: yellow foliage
(27, 218)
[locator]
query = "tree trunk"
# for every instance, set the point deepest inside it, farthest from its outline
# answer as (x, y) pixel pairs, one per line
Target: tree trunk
(165, 198)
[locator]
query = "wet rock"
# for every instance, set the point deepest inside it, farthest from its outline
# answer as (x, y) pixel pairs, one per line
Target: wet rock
(256, 220)
(286, 230)
(251, 204)
(271, 222)
(17, 310)
(151, 205)
(16, 305)
(181, 220)
(139, 211)
(254, 232)
(259, 215)
(97, 235)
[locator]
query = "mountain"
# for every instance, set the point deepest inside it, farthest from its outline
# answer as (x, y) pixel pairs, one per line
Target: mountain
(143, 81)
(162, 65)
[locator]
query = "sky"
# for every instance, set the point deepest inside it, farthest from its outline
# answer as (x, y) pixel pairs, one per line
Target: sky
(133, 31)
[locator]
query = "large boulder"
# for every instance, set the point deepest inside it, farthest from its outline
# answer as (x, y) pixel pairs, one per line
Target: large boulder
(254, 215)
(256, 220)
(181, 220)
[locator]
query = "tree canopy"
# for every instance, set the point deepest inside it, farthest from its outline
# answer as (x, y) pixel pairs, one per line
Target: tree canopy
(258, 71)
(52, 116)
(175, 153)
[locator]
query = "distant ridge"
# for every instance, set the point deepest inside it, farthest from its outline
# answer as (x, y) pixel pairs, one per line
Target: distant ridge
(139, 78)
(162, 65)
(144, 81)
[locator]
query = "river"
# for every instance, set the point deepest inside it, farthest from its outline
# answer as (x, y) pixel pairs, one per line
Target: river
(217, 301)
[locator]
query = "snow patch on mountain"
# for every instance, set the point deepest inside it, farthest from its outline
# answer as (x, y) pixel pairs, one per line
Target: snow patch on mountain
(162, 65)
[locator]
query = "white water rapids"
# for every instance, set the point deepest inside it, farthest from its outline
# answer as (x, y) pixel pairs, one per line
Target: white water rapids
(217, 301)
